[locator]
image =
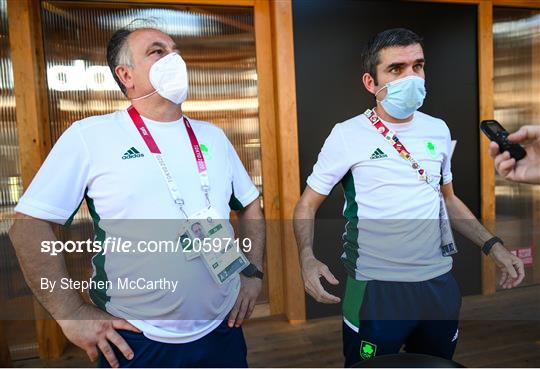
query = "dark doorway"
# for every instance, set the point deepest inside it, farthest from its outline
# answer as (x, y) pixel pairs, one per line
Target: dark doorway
(329, 37)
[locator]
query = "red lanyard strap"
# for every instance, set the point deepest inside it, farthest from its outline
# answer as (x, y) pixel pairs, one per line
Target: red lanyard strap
(143, 130)
(201, 165)
(391, 137)
(156, 152)
(154, 148)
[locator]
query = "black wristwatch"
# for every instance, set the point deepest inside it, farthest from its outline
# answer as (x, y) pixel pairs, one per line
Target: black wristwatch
(490, 243)
(252, 271)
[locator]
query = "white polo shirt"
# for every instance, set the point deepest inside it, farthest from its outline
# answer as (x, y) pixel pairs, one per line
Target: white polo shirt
(392, 231)
(105, 160)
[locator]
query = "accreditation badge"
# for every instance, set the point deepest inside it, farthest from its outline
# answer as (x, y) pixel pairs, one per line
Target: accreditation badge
(206, 234)
(448, 245)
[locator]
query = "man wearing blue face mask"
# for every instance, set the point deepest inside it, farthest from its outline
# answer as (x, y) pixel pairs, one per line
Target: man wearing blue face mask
(393, 163)
(150, 309)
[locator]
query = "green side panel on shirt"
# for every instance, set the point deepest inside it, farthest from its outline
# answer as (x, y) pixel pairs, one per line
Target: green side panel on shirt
(98, 296)
(68, 222)
(354, 297)
(235, 204)
(350, 237)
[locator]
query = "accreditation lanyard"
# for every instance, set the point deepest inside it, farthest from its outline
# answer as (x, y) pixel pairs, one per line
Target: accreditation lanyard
(393, 140)
(162, 164)
(448, 245)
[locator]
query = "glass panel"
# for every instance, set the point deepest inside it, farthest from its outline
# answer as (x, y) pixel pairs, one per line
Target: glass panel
(15, 296)
(517, 103)
(217, 43)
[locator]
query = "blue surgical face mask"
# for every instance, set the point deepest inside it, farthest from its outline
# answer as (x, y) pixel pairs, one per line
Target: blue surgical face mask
(404, 96)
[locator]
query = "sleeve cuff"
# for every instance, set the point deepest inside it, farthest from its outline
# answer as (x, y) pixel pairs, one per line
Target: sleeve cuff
(447, 178)
(42, 211)
(246, 199)
(317, 186)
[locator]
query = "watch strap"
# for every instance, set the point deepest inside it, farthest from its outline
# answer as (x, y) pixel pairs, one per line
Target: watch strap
(490, 243)
(252, 271)
(259, 274)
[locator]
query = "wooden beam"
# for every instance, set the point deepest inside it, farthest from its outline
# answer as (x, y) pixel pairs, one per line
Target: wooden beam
(245, 3)
(51, 341)
(535, 97)
(487, 169)
(5, 358)
(267, 124)
(531, 4)
(29, 86)
(289, 166)
(261, 311)
(32, 126)
(471, 2)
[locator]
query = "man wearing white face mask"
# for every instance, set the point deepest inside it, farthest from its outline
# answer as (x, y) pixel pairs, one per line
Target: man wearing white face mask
(152, 309)
(393, 163)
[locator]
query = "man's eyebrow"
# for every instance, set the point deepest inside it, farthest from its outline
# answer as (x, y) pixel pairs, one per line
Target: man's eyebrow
(160, 44)
(156, 43)
(399, 65)
(395, 65)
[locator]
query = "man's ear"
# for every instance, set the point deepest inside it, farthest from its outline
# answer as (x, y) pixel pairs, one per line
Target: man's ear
(124, 75)
(369, 83)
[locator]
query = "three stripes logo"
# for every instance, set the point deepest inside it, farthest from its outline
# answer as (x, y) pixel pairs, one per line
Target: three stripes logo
(132, 154)
(378, 154)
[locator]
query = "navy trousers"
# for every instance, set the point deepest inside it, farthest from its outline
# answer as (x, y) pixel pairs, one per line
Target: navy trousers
(421, 317)
(224, 347)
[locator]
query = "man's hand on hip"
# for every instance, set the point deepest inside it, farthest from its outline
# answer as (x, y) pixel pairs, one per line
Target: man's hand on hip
(312, 271)
(94, 329)
(250, 288)
(512, 269)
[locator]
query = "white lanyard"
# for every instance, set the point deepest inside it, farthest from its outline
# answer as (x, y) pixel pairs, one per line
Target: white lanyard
(160, 160)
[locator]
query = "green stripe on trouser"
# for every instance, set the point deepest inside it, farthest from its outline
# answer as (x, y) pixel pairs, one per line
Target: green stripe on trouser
(352, 303)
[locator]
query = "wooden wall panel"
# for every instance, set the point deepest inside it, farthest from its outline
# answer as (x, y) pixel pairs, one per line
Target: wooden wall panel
(535, 97)
(269, 153)
(5, 359)
(180, 2)
(289, 166)
(487, 171)
(531, 4)
(33, 127)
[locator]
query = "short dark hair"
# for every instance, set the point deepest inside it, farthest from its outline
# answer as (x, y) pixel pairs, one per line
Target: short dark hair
(118, 53)
(389, 38)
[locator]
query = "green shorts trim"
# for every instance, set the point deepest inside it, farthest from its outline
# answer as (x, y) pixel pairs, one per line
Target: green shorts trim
(354, 297)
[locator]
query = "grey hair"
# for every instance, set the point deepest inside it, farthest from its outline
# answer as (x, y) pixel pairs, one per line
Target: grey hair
(118, 52)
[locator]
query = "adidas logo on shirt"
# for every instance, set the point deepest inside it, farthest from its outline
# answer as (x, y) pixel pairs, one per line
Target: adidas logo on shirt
(378, 154)
(132, 154)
